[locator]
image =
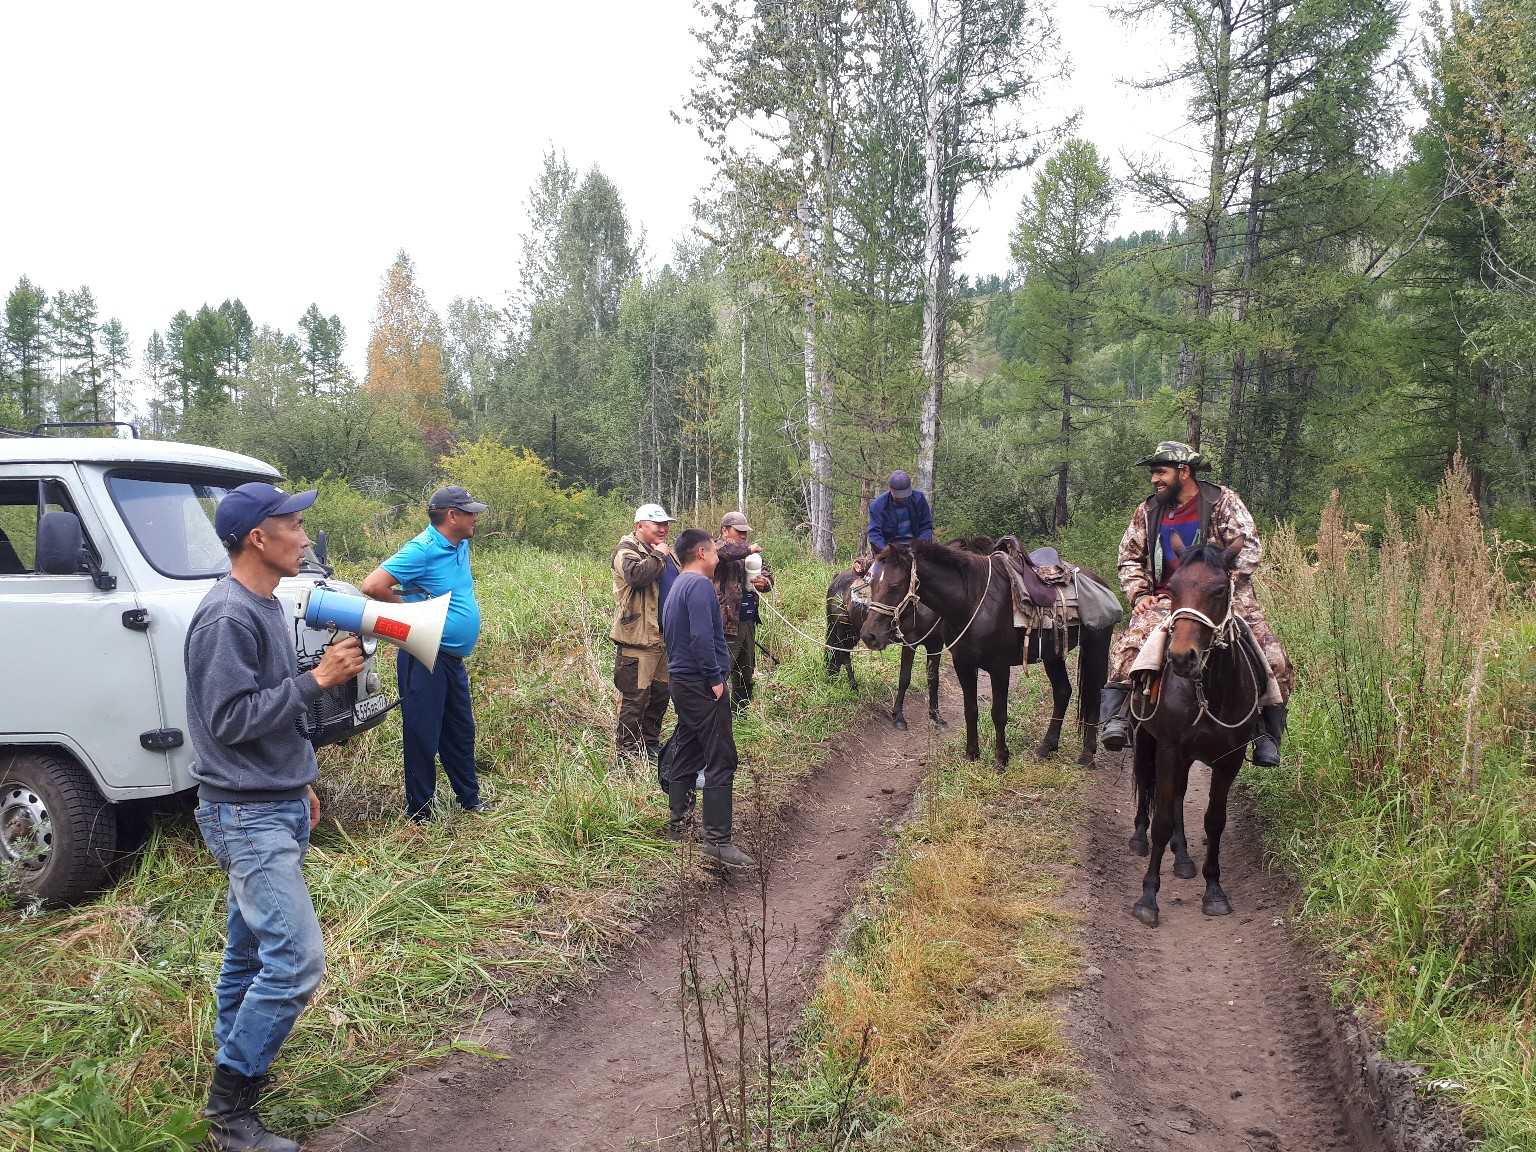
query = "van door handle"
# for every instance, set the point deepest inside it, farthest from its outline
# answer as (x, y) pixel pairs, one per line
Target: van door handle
(136, 619)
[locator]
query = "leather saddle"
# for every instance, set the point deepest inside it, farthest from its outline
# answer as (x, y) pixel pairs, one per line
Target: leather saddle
(1030, 584)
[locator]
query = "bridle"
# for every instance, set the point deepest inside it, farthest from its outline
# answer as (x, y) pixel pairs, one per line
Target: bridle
(1223, 635)
(897, 611)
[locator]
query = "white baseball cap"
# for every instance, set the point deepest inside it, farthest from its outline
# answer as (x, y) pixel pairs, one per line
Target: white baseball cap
(655, 513)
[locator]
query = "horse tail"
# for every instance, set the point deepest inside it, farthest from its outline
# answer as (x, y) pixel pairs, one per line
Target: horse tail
(1092, 666)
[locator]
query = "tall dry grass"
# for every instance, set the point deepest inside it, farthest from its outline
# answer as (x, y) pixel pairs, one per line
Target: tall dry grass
(1406, 801)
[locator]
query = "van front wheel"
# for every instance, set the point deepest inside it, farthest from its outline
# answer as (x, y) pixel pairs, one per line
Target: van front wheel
(57, 834)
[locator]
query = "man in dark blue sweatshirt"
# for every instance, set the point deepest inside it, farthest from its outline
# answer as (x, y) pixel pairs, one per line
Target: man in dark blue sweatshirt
(703, 747)
(255, 770)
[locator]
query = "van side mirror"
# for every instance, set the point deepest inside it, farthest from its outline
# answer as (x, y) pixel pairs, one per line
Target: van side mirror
(60, 544)
(61, 550)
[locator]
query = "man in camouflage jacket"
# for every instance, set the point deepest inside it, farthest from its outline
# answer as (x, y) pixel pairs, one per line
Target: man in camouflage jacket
(1193, 512)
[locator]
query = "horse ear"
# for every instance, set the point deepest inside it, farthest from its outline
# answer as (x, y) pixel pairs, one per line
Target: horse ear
(1229, 557)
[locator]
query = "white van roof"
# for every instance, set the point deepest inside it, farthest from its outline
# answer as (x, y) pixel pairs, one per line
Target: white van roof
(109, 450)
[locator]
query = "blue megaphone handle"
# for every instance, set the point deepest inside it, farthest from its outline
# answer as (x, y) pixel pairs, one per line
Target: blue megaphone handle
(329, 609)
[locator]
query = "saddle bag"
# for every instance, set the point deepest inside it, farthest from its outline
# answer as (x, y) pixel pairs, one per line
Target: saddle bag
(1098, 608)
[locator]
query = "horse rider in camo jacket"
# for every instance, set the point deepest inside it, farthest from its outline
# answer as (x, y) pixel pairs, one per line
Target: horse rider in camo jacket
(1193, 512)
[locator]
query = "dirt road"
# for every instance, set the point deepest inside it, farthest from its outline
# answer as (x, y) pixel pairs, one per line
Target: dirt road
(605, 1071)
(1203, 1034)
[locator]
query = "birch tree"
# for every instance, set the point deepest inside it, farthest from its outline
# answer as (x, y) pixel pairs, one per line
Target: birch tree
(769, 100)
(978, 65)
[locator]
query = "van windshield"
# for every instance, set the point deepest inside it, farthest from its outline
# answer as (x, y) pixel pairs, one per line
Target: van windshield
(171, 519)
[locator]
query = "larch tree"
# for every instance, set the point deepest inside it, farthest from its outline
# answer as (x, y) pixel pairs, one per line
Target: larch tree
(27, 347)
(1057, 246)
(405, 350)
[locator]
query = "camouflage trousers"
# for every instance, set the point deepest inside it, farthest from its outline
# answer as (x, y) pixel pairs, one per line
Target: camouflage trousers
(1150, 611)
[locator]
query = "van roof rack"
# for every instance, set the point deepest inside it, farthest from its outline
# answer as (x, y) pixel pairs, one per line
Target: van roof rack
(43, 429)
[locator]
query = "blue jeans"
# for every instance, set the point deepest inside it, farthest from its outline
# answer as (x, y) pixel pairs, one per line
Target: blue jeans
(437, 720)
(275, 955)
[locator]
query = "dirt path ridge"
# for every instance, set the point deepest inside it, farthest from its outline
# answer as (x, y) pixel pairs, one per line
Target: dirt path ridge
(1205, 1034)
(605, 1069)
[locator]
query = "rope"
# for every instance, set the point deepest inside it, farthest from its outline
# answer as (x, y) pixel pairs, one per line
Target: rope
(790, 624)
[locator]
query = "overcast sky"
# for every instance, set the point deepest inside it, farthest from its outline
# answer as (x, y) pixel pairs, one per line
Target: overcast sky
(172, 154)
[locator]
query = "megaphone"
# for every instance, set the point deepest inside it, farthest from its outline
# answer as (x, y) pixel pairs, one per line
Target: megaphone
(418, 627)
(753, 564)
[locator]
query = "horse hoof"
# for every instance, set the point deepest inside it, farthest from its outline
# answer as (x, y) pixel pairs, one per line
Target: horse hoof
(1046, 751)
(1087, 760)
(1216, 906)
(1184, 869)
(939, 721)
(901, 724)
(1146, 913)
(1139, 844)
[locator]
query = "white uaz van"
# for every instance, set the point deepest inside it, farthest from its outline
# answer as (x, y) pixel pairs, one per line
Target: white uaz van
(106, 548)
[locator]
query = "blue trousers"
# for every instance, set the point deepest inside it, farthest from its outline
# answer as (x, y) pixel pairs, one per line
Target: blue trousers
(275, 956)
(438, 721)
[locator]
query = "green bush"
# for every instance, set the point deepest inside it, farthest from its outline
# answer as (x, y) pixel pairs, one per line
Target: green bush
(356, 525)
(525, 504)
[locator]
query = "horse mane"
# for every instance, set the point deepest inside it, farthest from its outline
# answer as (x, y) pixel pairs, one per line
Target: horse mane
(950, 556)
(1213, 555)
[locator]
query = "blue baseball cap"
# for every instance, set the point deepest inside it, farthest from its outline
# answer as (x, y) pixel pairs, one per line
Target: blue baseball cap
(245, 507)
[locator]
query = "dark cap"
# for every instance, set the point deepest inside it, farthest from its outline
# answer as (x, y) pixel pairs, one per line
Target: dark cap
(248, 505)
(899, 481)
(455, 497)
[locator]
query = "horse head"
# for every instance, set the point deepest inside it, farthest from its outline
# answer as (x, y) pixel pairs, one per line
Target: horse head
(890, 582)
(1201, 591)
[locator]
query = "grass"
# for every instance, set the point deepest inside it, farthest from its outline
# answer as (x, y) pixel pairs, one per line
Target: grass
(1405, 806)
(106, 1010)
(936, 1026)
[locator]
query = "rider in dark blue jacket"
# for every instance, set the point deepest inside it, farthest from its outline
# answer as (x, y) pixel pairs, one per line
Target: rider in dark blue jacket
(899, 514)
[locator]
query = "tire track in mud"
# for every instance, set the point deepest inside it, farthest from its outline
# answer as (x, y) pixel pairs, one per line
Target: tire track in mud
(1205, 1034)
(605, 1070)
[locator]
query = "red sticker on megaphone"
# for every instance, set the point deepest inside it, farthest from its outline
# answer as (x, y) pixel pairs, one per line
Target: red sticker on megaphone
(393, 629)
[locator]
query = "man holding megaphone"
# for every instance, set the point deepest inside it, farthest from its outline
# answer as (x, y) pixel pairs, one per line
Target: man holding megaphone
(435, 708)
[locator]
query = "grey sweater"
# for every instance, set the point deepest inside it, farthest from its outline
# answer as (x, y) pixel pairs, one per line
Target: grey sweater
(244, 699)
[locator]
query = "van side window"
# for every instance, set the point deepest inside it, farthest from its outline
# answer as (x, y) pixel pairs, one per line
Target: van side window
(18, 522)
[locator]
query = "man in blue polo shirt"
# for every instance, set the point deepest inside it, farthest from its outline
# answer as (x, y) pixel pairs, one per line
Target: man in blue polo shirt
(434, 706)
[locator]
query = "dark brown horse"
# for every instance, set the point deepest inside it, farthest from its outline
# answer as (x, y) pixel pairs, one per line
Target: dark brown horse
(1202, 708)
(845, 619)
(969, 592)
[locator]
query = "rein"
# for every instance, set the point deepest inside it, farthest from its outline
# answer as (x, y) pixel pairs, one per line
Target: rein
(1222, 636)
(895, 613)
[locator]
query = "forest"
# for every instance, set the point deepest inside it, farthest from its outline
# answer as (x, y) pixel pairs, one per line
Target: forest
(1342, 296)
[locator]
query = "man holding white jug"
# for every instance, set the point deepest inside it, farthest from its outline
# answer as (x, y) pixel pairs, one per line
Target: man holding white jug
(740, 576)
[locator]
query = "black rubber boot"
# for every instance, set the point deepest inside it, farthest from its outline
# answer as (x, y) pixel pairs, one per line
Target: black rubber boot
(233, 1125)
(680, 802)
(717, 830)
(1115, 716)
(1266, 749)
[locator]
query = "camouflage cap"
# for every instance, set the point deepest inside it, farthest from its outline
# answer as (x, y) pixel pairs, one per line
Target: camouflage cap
(1172, 452)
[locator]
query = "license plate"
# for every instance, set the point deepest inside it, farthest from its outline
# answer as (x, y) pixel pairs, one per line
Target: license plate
(365, 710)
